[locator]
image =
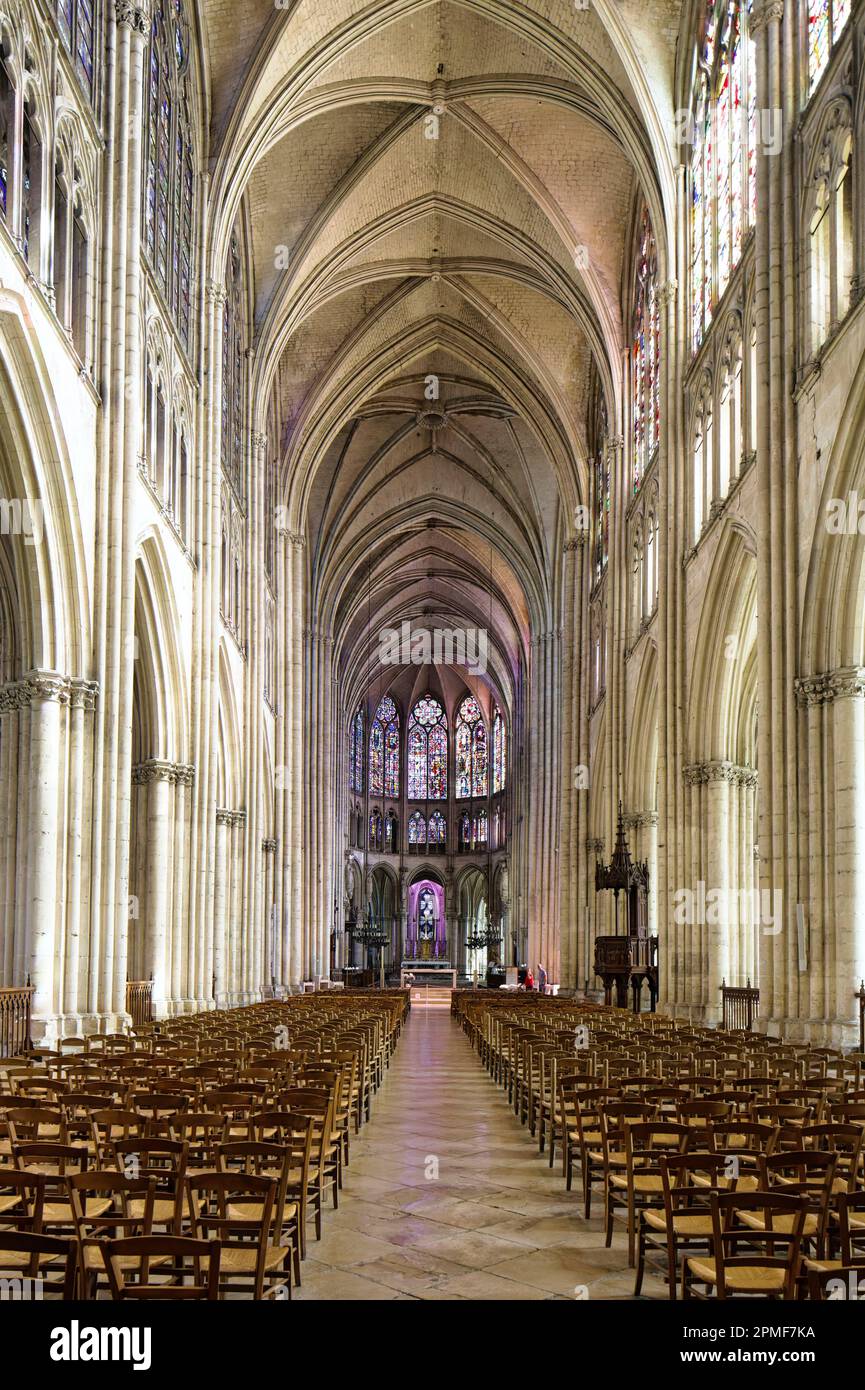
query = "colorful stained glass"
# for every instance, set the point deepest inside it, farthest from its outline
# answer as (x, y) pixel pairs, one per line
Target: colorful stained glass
(465, 830)
(438, 764)
(427, 751)
(645, 353)
(437, 833)
(480, 828)
(819, 12)
(376, 759)
(752, 131)
(416, 829)
(384, 750)
(375, 830)
(479, 761)
(499, 752)
(724, 162)
(471, 750)
(169, 160)
(416, 757)
(463, 768)
(355, 756)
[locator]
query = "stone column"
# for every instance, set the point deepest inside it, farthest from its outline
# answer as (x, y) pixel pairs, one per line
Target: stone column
(272, 968)
(835, 703)
(14, 779)
(222, 887)
(48, 696)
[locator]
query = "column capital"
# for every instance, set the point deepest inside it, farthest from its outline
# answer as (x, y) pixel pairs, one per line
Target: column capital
(637, 820)
(36, 686)
(844, 683)
(577, 541)
(160, 770)
(667, 292)
(214, 294)
(296, 539)
(259, 440)
(596, 846)
(269, 846)
(230, 818)
(83, 694)
(719, 770)
(767, 13)
(133, 14)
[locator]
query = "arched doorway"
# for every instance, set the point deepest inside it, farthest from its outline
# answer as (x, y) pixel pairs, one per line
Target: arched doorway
(474, 919)
(426, 925)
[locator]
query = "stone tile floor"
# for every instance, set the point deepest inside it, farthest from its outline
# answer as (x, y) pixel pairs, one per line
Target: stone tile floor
(448, 1198)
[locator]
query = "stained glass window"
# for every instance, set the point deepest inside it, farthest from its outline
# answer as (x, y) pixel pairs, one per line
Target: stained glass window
(427, 751)
(170, 184)
(480, 828)
(724, 159)
(6, 107)
(355, 754)
(375, 830)
(416, 829)
(471, 751)
(233, 353)
(384, 750)
(437, 833)
(500, 767)
(75, 22)
(826, 23)
(465, 830)
(645, 352)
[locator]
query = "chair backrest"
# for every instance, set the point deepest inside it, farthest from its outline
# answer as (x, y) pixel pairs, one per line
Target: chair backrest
(135, 1255)
(763, 1242)
(118, 1189)
(236, 1209)
(36, 1122)
(41, 1247)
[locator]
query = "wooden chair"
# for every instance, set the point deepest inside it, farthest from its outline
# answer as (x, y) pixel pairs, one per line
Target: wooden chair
(28, 1255)
(87, 1195)
(685, 1222)
(273, 1160)
(641, 1184)
(760, 1272)
(238, 1211)
(164, 1160)
(186, 1269)
(805, 1173)
(296, 1133)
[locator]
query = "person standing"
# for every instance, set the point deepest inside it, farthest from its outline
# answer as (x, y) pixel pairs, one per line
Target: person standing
(542, 979)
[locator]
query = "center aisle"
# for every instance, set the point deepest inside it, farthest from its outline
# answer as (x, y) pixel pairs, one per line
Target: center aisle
(448, 1198)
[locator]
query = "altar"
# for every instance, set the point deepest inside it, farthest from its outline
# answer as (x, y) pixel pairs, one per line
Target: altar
(438, 974)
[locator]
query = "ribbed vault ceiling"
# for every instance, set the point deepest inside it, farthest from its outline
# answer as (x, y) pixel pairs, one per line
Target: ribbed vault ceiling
(429, 308)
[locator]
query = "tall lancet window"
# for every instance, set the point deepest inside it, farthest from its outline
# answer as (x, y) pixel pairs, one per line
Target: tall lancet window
(599, 445)
(384, 750)
(170, 161)
(471, 750)
(355, 752)
(723, 129)
(645, 353)
(427, 751)
(827, 20)
(500, 752)
(75, 22)
(233, 376)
